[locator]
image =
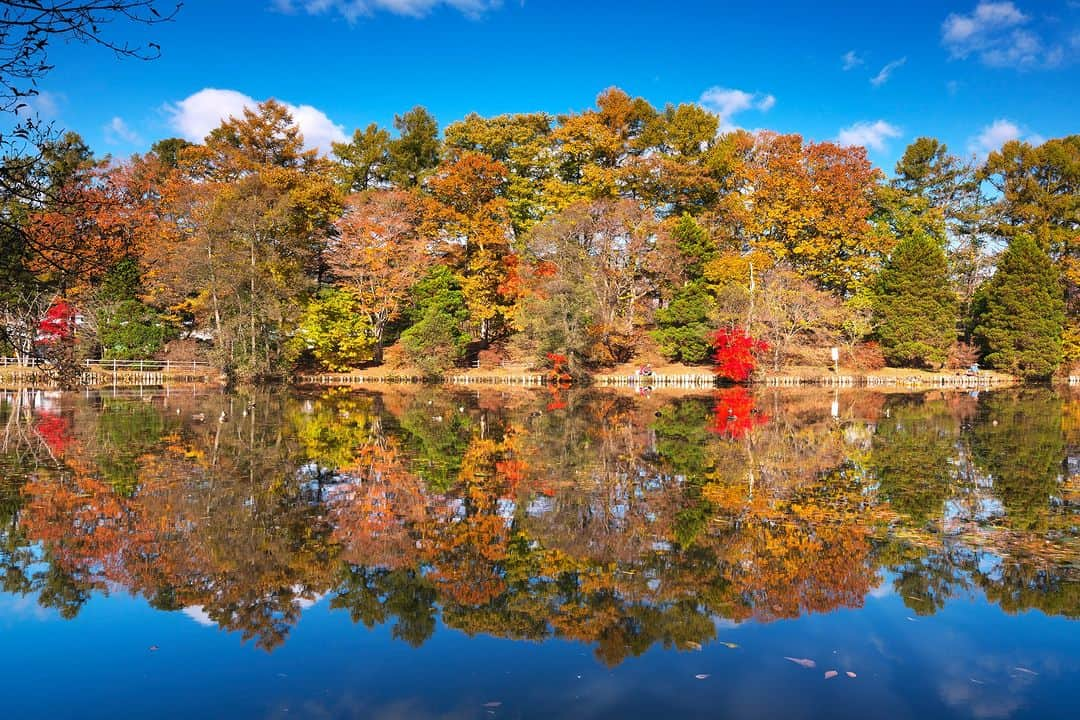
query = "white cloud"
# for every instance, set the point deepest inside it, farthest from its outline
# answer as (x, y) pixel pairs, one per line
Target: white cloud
(1021, 49)
(883, 75)
(871, 135)
(46, 105)
(199, 615)
(996, 134)
(851, 60)
(727, 102)
(960, 30)
(993, 33)
(353, 10)
(196, 115)
(117, 132)
(318, 129)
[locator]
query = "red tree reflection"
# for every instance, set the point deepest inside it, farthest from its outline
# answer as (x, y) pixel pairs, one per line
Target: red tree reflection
(734, 414)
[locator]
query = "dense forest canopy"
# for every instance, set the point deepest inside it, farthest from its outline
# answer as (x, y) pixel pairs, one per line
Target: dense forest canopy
(604, 235)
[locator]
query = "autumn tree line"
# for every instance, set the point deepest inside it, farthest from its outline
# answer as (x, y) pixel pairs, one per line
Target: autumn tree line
(620, 232)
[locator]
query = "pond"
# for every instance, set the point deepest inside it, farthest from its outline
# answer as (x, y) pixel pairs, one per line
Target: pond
(417, 552)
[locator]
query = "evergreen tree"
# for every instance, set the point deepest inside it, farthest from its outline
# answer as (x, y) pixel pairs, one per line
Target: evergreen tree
(127, 328)
(683, 327)
(168, 150)
(950, 191)
(914, 305)
(694, 245)
(435, 340)
(416, 152)
(1021, 313)
(361, 162)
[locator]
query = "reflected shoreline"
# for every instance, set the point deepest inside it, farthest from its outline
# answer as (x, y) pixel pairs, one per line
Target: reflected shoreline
(611, 518)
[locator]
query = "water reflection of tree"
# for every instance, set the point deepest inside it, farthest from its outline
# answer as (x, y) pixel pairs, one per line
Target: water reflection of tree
(1018, 443)
(35, 431)
(212, 515)
(913, 456)
(617, 521)
(992, 470)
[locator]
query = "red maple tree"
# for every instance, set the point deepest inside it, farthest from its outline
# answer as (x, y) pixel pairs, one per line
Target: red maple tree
(735, 353)
(58, 323)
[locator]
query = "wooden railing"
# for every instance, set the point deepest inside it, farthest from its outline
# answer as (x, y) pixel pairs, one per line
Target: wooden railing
(19, 362)
(142, 365)
(146, 365)
(93, 373)
(689, 380)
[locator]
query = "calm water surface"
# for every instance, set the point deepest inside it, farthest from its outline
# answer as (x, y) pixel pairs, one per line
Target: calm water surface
(421, 553)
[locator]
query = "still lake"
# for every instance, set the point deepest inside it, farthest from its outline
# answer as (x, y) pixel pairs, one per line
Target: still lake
(416, 552)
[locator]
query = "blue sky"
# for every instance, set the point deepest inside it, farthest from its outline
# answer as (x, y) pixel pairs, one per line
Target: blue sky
(971, 73)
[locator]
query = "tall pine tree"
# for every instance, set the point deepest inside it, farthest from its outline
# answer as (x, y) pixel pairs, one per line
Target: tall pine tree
(1021, 312)
(683, 326)
(914, 304)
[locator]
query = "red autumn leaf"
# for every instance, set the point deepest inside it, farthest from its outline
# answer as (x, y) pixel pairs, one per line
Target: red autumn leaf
(735, 353)
(58, 323)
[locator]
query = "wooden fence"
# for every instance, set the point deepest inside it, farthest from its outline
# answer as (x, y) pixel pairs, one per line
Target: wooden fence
(685, 380)
(146, 365)
(19, 362)
(355, 379)
(91, 373)
(983, 380)
(526, 379)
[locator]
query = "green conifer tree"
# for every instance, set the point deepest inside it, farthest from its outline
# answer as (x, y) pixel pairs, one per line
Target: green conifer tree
(915, 305)
(1021, 312)
(683, 326)
(694, 245)
(436, 341)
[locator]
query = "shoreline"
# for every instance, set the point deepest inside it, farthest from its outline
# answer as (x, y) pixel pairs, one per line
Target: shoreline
(667, 377)
(676, 377)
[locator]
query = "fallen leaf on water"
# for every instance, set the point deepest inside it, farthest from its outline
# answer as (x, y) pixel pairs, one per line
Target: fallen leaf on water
(493, 704)
(977, 682)
(729, 645)
(850, 674)
(830, 674)
(911, 619)
(701, 677)
(804, 662)
(1025, 670)
(154, 648)
(693, 645)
